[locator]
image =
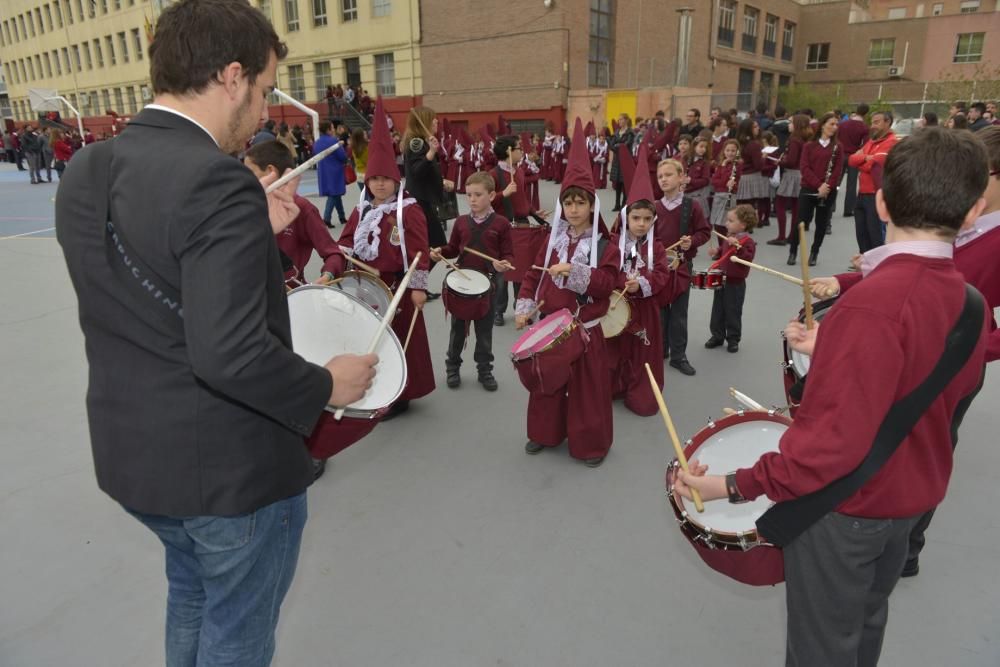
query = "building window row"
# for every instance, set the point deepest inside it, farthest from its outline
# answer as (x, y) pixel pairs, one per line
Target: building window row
(51, 16)
(602, 30)
(347, 10)
(385, 77)
(881, 52)
(726, 32)
(85, 55)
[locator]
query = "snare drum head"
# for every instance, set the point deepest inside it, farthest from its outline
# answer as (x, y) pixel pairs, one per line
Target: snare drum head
(735, 442)
(800, 362)
(327, 322)
(542, 333)
(370, 290)
(618, 316)
(474, 283)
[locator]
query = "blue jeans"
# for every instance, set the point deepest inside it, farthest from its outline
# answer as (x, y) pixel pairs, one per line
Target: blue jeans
(334, 201)
(226, 579)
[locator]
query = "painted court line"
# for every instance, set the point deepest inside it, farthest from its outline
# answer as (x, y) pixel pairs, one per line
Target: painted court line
(17, 236)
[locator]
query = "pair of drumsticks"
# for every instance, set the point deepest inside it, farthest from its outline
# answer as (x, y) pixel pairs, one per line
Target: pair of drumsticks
(475, 252)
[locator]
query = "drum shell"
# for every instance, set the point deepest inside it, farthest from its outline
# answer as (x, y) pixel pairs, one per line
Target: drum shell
(548, 372)
(466, 307)
(790, 375)
(710, 280)
(332, 437)
(621, 306)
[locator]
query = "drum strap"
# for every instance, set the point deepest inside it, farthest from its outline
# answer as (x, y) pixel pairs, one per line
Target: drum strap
(476, 232)
(787, 520)
(502, 182)
(151, 292)
(686, 206)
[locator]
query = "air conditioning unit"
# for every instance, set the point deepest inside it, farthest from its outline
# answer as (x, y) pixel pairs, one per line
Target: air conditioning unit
(896, 71)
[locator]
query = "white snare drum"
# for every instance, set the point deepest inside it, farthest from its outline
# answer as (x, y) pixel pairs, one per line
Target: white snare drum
(618, 316)
(369, 289)
(468, 295)
(327, 322)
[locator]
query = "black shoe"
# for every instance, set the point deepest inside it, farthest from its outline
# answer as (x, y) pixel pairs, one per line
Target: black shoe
(398, 408)
(683, 366)
(343, 222)
(791, 258)
(593, 463)
(488, 381)
(453, 379)
(533, 447)
(766, 223)
(431, 296)
(328, 224)
(319, 467)
(733, 347)
(807, 226)
(498, 320)
(911, 569)
(777, 242)
(713, 343)
(812, 259)
(829, 230)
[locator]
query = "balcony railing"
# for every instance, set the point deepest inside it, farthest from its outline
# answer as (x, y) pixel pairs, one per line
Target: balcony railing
(770, 48)
(787, 53)
(727, 37)
(750, 43)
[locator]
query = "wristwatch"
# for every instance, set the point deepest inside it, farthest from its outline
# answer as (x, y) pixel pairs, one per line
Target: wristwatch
(735, 497)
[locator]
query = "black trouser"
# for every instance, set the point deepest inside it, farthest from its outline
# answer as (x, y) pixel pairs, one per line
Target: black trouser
(867, 226)
(839, 574)
(500, 297)
(484, 344)
(811, 206)
(851, 194)
(674, 324)
(727, 312)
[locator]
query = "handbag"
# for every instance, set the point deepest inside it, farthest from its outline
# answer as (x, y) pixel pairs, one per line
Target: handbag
(447, 208)
(350, 176)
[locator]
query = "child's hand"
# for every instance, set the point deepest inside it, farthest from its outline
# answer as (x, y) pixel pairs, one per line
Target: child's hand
(824, 288)
(685, 243)
(560, 269)
(801, 339)
(632, 286)
(502, 266)
(731, 183)
(520, 321)
(436, 254)
(732, 240)
(510, 189)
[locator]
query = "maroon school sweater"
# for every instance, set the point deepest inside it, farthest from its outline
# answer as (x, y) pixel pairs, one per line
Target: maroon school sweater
(494, 240)
(667, 229)
(815, 161)
(790, 160)
(721, 174)
(874, 347)
(700, 173)
(520, 203)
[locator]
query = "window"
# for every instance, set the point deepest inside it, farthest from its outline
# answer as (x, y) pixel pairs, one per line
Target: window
(98, 53)
(48, 64)
(57, 64)
(265, 8)
(31, 69)
(119, 101)
(385, 74)
(751, 17)
(937, 9)
(117, 4)
(79, 9)
(296, 82)
(352, 68)
(48, 17)
(110, 44)
(818, 56)
(65, 57)
(969, 48)
(130, 92)
(59, 18)
(744, 95)
(323, 79)
(38, 19)
(76, 56)
(123, 45)
(292, 15)
(880, 52)
(106, 98)
(92, 9)
(727, 22)
(31, 24)
(137, 43)
(381, 7)
(897, 13)
(788, 42)
(969, 7)
(69, 13)
(601, 42)
(104, 6)
(770, 35)
(86, 55)
(348, 10)
(319, 13)
(38, 66)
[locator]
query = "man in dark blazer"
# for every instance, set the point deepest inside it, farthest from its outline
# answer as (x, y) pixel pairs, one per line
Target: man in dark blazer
(198, 407)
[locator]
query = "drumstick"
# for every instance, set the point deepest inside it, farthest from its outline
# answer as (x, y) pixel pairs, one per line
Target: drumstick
(544, 270)
(485, 256)
(302, 168)
(621, 295)
(455, 268)
(358, 263)
(806, 293)
(384, 322)
(678, 450)
(420, 120)
(721, 236)
(745, 400)
(535, 309)
(671, 247)
(765, 269)
(409, 333)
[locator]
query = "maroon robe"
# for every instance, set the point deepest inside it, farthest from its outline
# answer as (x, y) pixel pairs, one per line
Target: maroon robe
(642, 340)
(391, 266)
(548, 159)
(583, 412)
(599, 158)
(307, 233)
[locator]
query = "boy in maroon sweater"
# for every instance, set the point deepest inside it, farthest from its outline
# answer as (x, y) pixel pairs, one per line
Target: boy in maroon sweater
(726, 324)
(841, 570)
(489, 233)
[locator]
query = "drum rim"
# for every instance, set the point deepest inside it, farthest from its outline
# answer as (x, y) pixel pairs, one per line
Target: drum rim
(348, 410)
(819, 306)
(741, 541)
(628, 307)
(457, 294)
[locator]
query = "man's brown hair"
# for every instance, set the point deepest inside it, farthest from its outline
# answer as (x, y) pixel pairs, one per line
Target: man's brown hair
(197, 39)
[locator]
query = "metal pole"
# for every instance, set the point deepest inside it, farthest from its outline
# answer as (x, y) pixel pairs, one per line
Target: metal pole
(923, 99)
(79, 119)
(302, 107)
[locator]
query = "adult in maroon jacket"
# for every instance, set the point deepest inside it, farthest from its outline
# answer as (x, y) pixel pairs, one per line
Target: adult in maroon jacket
(840, 571)
(582, 413)
(821, 165)
(853, 135)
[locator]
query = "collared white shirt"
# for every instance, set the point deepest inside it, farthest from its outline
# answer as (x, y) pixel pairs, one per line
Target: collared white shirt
(160, 107)
(983, 224)
(934, 249)
(671, 204)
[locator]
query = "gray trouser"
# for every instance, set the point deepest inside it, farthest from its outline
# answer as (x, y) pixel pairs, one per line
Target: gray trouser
(483, 354)
(674, 324)
(838, 577)
(726, 322)
(34, 165)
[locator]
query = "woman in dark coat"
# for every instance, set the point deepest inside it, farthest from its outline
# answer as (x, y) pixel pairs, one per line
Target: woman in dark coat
(623, 135)
(423, 170)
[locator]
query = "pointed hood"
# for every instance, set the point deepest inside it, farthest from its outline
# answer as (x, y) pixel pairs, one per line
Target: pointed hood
(578, 170)
(640, 188)
(485, 136)
(526, 143)
(381, 156)
(590, 129)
